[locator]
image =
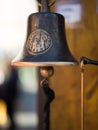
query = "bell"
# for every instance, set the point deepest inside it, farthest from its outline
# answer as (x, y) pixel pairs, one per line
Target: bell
(46, 43)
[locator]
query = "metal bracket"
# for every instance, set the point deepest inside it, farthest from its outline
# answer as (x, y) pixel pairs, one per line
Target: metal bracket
(49, 4)
(85, 60)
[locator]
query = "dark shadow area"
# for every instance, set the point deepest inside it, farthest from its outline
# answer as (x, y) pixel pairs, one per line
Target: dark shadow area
(8, 93)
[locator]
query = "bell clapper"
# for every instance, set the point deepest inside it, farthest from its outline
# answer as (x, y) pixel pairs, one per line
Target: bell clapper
(47, 71)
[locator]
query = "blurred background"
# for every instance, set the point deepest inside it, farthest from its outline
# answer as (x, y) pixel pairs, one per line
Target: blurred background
(19, 86)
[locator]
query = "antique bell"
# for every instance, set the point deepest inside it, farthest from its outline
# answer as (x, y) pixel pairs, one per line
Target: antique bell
(46, 43)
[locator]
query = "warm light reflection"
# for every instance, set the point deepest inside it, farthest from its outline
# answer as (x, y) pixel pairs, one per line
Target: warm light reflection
(3, 114)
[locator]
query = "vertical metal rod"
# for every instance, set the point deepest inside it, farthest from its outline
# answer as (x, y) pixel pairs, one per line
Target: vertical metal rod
(82, 100)
(50, 96)
(83, 62)
(47, 72)
(82, 65)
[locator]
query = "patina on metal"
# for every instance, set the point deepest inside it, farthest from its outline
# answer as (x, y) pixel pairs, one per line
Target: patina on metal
(46, 43)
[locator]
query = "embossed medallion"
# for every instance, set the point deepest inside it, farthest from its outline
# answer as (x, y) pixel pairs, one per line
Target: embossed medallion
(38, 42)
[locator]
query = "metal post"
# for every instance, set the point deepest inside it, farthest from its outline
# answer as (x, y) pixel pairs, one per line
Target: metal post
(47, 72)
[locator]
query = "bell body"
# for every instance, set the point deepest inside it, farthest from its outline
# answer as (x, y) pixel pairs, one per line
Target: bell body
(46, 42)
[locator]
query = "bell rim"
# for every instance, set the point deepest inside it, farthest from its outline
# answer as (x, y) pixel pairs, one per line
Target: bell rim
(62, 63)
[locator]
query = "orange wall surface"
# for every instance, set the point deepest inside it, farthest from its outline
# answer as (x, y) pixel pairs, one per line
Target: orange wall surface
(66, 82)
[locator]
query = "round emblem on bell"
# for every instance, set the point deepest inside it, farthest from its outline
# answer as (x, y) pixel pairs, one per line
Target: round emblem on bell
(38, 42)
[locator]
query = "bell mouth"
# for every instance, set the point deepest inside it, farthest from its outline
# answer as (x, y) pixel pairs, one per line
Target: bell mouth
(43, 63)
